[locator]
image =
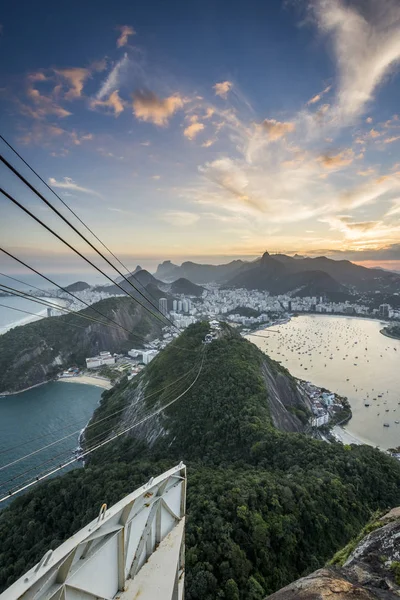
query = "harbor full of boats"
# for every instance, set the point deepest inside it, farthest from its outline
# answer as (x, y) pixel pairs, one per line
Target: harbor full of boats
(350, 357)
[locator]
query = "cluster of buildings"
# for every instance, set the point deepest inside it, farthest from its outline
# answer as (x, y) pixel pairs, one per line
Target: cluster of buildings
(318, 305)
(103, 359)
(88, 296)
(143, 356)
(324, 404)
(216, 301)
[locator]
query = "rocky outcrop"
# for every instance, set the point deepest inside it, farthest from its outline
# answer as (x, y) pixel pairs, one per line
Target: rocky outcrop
(286, 402)
(370, 571)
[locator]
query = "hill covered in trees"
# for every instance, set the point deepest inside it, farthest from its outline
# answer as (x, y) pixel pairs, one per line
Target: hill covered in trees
(266, 504)
(35, 352)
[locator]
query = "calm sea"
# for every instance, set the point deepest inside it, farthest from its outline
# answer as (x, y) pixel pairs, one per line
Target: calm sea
(348, 356)
(48, 412)
(9, 316)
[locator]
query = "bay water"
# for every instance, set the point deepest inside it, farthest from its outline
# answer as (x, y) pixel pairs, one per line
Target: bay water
(37, 418)
(348, 356)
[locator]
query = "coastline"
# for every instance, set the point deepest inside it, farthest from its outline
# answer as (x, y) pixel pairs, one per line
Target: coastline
(42, 314)
(346, 437)
(88, 380)
(31, 387)
(25, 321)
(82, 379)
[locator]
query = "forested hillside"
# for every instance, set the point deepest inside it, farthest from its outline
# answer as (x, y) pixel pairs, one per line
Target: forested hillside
(265, 505)
(35, 352)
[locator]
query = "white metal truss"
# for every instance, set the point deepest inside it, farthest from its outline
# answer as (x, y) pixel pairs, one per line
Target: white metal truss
(135, 549)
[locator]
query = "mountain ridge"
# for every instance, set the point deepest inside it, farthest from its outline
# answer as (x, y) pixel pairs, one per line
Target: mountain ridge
(280, 273)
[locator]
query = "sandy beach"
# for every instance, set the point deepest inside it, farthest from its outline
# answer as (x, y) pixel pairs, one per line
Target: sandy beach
(88, 380)
(344, 436)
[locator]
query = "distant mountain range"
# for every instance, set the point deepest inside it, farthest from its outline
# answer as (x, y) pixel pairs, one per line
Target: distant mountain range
(198, 273)
(159, 288)
(279, 274)
(147, 289)
(274, 273)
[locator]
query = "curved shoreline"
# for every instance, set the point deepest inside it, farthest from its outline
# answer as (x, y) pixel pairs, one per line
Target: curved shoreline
(102, 382)
(31, 387)
(82, 379)
(386, 334)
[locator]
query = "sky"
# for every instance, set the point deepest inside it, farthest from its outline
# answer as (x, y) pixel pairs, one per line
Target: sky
(205, 131)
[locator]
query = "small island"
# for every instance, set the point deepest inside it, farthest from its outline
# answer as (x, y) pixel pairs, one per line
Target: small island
(392, 331)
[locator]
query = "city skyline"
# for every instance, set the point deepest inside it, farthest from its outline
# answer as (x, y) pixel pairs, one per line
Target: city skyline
(207, 133)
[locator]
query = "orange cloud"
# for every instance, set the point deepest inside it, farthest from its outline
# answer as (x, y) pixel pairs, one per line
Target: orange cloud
(392, 139)
(149, 107)
(277, 129)
(222, 88)
(342, 159)
(76, 77)
(37, 77)
(43, 106)
(113, 102)
(366, 172)
(192, 130)
(373, 134)
(319, 96)
(126, 31)
(208, 143)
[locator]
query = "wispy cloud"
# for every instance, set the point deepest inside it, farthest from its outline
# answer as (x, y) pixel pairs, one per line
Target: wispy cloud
(334, 161)
(392, 139)
(69, 184)
(180, 218)
(208, 143)
(149, 107)
(318, 97)
(126, 31)
(41, 106)
(114, 78)
(276, 129)
(366, 41)
(53, 136)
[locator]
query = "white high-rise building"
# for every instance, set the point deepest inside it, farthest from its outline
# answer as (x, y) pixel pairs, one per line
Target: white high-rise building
(174, 305)
(148, 356)
(185, 306)
(162, 305)
(179, 305)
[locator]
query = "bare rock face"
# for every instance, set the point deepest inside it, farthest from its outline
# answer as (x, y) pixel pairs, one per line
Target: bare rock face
(371, 571)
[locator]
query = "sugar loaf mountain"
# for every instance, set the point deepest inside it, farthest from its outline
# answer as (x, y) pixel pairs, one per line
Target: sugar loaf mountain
(266, 503)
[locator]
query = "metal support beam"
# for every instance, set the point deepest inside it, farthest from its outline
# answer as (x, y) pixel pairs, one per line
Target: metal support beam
(134, 547)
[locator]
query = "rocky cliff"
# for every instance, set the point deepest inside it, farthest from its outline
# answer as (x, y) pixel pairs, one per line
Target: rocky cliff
(370, 570)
